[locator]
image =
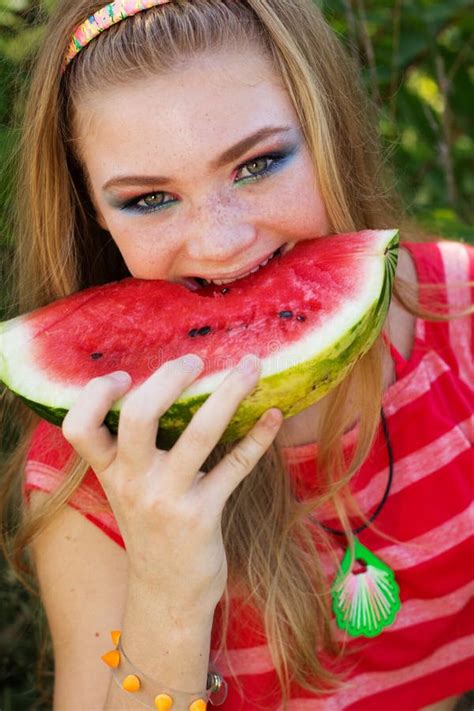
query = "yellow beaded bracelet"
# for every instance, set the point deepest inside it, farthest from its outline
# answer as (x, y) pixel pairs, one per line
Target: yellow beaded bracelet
(157, 696)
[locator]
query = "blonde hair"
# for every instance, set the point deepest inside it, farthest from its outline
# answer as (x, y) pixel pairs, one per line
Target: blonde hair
(274, 556)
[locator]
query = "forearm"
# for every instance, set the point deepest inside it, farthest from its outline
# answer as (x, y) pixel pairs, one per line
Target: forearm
(165, 643)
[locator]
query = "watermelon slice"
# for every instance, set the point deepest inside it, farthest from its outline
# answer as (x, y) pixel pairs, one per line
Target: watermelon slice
(309, 315)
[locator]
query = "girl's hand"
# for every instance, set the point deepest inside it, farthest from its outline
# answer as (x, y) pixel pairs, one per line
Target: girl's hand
(169, 512)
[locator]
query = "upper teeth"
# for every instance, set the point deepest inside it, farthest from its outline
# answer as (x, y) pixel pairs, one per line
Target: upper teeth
(252, 271)
(219, 282)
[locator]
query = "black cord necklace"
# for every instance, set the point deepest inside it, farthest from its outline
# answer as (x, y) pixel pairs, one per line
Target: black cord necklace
(380, 506)
(367, 600)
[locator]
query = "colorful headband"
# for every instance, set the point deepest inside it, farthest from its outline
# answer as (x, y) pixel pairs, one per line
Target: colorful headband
(103, 19)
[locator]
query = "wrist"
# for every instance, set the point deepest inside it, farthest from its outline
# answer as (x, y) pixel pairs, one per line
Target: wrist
(166, 640)
(181, 615)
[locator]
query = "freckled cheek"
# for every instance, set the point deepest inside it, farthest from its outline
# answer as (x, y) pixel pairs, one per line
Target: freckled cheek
(145, 259)
(300, 209)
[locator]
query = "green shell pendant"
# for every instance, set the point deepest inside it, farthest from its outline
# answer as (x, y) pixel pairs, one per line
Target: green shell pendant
(365, 595)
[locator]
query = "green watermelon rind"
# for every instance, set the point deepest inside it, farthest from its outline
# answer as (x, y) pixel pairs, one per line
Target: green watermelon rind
(313, 377)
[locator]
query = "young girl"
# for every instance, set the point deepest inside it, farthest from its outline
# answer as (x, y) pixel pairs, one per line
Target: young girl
(191, 139)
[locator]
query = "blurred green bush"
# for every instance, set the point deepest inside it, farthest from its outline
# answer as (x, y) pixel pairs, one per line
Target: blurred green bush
(417, 62)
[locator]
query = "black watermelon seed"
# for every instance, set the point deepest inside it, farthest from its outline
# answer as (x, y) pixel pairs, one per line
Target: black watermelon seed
(193, 333)
(96, 356)
(204, 331)
(301, 318)
(286, 314)
(225, 291)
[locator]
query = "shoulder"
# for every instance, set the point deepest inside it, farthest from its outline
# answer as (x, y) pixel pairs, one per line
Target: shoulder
(401, 324)
(82, 576)
(441, 260)
(437, 278)
(49, 461)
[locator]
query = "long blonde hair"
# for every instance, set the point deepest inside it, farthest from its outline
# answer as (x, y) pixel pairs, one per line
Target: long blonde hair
(274, 557)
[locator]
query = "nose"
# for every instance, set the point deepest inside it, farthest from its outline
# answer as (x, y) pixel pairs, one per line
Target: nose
(220, 233)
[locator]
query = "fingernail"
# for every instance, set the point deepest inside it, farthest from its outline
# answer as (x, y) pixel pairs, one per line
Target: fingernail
(249, 364)
(191, 363)
(121, 376)
(272, 418)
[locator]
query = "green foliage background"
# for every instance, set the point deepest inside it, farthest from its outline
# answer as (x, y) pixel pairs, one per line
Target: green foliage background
(416, 58)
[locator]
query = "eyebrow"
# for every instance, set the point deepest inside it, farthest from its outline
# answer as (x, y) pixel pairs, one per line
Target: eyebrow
(230, 155)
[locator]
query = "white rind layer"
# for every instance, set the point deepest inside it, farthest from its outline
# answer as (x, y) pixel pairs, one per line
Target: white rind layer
(24, 377)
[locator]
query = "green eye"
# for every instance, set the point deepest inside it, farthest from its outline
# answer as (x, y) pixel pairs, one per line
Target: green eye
(262, 166)
(257, 166)
(153, 200)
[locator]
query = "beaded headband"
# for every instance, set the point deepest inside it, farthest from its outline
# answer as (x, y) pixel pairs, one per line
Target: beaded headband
(102, 20)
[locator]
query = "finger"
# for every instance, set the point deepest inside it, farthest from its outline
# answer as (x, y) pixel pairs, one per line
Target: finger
(208, 424)
(223, 479)
(142, 409)
(83, 427)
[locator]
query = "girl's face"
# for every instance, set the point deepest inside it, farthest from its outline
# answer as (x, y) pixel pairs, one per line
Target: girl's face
(200, 173)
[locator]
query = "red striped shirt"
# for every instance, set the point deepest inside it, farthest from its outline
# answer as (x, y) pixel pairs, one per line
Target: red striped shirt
(427, 654)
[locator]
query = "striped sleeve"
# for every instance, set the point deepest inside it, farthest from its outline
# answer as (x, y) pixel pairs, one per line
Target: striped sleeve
(47, 461)
(458, 265)
(450, 265)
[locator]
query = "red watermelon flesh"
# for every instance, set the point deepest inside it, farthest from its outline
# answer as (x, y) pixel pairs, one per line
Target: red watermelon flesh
(296, 313)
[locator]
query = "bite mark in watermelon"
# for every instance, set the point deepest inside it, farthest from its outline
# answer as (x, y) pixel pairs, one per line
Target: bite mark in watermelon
(309, 315)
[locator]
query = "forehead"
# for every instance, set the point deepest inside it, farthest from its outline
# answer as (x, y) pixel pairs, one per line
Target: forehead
(209, 102)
